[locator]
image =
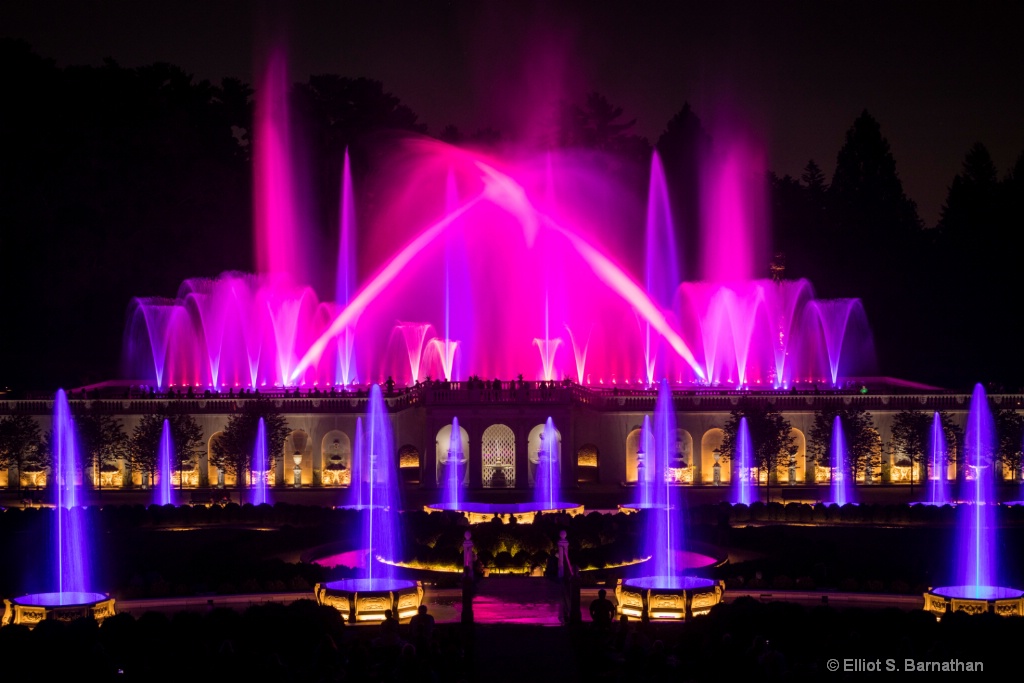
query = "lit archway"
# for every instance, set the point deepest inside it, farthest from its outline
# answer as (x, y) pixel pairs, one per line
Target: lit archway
(442, 444)
(336, 448)
(710, 446)
(498, 457)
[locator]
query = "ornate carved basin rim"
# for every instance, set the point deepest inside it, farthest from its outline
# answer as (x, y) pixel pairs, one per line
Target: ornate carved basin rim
(367, 599)
(1001, 600)
(667, 597)
(67, 606)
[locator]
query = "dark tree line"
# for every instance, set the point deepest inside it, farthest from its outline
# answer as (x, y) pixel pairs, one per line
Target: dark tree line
(118, 182)
(935, 295)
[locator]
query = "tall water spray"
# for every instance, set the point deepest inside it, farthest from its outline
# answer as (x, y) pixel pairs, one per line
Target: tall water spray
(380, 480)
(646, 466)
(164, 491)
(547, 482)
(355, 487)
(937, 488)
(71, 570)
(840, 472)
(455, 468)
(744, 457)
(260, 465)
(661, 265)
(664, 537)
(976, 560)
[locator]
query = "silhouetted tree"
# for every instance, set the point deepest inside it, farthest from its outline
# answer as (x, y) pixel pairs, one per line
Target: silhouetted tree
(863, 445)
(19, 444)
(233, 450)
(111, 184)
(101, 441)
(770, 437)
(912, 437)
(683, 147)
(1010, 435)
(144, 443)
(597, 125)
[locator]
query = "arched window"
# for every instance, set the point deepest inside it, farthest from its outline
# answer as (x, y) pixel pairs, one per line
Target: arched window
(337, 459)
(498, 457)
(442, 446)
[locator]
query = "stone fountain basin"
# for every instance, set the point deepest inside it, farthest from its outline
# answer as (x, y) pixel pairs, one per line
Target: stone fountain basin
(62, 606)
(667, 597)
(481, 513)
(1007, 602)
(367, 599)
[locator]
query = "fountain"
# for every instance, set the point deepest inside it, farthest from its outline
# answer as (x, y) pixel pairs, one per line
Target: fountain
(744, 452)
(976, 562)
(839, 474)
(70, 596)
(366, 598)
(665, 593)
(937, 494)
(547, 463)
(164, 490)
(626, 318)
(260, 466)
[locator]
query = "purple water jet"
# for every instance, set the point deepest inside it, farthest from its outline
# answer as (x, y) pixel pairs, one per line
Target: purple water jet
(840, 480)
(937, 489)
(976, 568)
(646, 459)
(977, 561)
(743, 456)
(260, 466)
(70, 563)
(164, 490)
(547, 481)
(664, 536)
(72, 566)
(377, 588)
(454, 468)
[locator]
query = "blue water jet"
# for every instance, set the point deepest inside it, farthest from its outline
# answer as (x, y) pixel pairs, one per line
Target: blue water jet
(840, 471)
(381, 491)
(71, 570)
(976, 560)
(454, 469)
(937, 489)
(664, 536)
(260, 465)
(163, 489)
(645, 466)
(547, 483)
(744, 456)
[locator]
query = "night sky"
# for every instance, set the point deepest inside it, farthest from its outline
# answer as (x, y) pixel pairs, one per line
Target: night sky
(791, 76)
(938, 77)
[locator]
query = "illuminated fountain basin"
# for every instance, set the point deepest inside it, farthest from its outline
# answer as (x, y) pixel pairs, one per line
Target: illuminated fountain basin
(367, 599)
(667, 597)
(1007, 602)
(375, 491)
(976, 558)
(66, 606)
(478, 513)
(71, 563)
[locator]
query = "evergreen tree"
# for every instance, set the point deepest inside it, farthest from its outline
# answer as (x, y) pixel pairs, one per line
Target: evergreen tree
(770, 437)
(144, 443)
(684, 146)
(19, 444)
(863, 445)
(233, 450)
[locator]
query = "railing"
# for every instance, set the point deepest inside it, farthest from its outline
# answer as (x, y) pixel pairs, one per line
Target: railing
(510, 393)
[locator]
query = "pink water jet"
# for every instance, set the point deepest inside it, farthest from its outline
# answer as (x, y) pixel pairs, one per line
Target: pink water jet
(505, 269)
